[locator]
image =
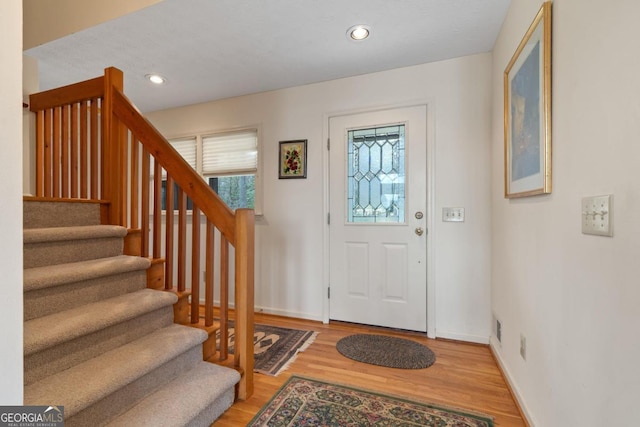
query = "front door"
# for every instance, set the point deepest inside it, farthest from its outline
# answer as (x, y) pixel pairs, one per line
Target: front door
(378, 193)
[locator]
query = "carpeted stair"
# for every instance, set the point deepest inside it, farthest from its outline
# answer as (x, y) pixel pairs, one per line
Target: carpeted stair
(96, 341)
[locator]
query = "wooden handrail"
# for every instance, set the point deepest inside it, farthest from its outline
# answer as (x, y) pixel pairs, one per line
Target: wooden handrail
(67, 95)
(191, 183)
(93, 143)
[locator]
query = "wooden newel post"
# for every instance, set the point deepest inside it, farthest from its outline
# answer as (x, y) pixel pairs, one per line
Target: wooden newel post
(244, 276)
(113, 179)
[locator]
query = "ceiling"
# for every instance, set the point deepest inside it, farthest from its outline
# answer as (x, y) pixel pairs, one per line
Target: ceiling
(214, 49)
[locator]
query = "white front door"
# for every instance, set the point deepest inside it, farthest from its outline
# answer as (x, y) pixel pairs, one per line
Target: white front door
(378, 194)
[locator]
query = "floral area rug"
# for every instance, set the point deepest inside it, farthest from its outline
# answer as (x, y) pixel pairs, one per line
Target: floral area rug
(307, 402)
(275, 348)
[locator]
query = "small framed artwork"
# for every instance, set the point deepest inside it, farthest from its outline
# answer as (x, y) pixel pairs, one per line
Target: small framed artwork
(293, 159)
(527, 112)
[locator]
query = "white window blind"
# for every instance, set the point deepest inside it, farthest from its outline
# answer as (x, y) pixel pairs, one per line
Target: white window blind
(186, 147)
(230, 153)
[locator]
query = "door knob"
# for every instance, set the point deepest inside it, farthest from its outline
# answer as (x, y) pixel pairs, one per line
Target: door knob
(419, 231)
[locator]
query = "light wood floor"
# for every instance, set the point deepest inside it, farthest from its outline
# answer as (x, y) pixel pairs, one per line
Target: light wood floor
(464, 375)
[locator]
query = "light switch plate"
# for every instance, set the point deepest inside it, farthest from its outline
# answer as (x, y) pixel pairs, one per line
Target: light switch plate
(596, 215)
(453, 214)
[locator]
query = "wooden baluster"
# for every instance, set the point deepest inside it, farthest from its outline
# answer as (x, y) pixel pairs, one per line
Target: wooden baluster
(94, 127)
(208, 290)
(40, 143)
(65, 151)
(224, 298)
(157, 209)
(169, 231)
(81, 139)
(56, 151)
(195, 265)
(244, 298)
(182, 240)
(135, 182)
(144, 212)
(112, 160)
(123, 157)
(74, 166)
(48, 147)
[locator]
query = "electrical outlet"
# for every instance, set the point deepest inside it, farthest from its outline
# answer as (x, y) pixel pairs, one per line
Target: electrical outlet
(523, 346)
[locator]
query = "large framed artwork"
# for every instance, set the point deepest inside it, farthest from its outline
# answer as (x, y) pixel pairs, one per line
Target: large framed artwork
(527, 112)
(293, 159)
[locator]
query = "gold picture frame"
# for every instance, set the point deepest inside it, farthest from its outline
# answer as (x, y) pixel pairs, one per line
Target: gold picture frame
(527, 112)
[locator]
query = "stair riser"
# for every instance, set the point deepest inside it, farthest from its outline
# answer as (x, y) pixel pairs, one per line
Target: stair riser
(114, 404)
(62, 252)
(63, 356)
(59, 214)
(217, 408)
(43, 302)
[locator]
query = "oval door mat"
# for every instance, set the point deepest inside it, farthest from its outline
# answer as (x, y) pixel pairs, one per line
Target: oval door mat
(386, 351)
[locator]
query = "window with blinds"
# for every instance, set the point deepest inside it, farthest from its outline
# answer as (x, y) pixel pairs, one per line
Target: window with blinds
(227, 161)
(230, 153)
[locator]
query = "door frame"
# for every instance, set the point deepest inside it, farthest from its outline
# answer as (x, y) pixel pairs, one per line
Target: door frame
(430, 211)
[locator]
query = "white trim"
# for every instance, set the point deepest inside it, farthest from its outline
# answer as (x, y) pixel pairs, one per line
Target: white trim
(259, 190)
(477, 339)
(494, 345)
(431, 221)
(288, 313)
(274, 311)
(431, 285)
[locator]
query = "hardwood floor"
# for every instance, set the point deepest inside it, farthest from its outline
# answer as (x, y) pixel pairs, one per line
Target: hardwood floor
(464, 375)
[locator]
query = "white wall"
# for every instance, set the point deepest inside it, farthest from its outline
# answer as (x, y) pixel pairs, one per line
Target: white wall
(11, 195)
(289, 241)
(30, 85)
(574, 296)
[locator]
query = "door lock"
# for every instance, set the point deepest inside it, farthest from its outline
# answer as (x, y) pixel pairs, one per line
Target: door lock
(419, 215)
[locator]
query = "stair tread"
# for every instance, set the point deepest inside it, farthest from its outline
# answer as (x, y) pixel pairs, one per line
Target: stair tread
(84, 232)
(178, 402)
(47, 331)
(55, 275)
(86, 383)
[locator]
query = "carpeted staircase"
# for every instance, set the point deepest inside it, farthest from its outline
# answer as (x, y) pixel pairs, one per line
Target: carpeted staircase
(96, 341)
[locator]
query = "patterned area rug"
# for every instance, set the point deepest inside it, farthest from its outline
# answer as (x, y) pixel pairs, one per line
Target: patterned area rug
(383, 350)
(306, 402)
(275, 348)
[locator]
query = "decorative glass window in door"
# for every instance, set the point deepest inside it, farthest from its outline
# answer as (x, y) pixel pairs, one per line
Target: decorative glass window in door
(376, 160)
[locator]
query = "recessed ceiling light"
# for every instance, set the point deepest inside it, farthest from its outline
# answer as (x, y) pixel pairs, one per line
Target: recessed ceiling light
(156, 79)
(358, 32)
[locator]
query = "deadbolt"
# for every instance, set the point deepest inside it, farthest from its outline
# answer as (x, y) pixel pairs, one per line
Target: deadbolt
(419, 215)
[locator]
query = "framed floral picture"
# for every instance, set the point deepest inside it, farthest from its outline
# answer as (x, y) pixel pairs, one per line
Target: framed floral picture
(293, 159)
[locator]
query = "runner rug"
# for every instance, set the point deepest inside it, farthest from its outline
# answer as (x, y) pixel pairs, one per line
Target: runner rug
(306, 402)
(275, 348)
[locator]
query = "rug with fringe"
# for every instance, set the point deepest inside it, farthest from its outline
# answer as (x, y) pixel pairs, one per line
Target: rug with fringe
(275, 348)
(307, 402)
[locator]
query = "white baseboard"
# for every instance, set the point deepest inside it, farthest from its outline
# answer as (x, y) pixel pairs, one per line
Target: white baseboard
(478, 339)
(287, 313)
(515, 391)
(274, 311)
